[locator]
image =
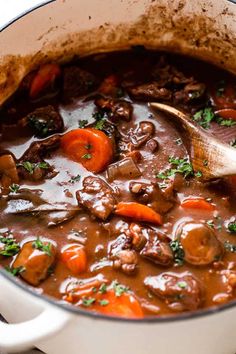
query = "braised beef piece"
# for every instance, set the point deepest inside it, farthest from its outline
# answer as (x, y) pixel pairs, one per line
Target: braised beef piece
(152, 145)
(141, 134)
(181, 292)
(43, 121)
(191, 92)
(150, 92)
(32, 165)
(123, 256)
(77, 82)
(97, 197)
(116, 109)
(35, 261)
(151, 195)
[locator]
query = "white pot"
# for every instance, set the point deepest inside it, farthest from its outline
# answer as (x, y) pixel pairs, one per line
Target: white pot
(56, 31)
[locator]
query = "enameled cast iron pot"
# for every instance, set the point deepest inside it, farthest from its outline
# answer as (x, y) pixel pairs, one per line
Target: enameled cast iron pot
(58, 31)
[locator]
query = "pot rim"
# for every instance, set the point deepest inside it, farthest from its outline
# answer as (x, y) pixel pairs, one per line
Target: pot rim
(97, 316)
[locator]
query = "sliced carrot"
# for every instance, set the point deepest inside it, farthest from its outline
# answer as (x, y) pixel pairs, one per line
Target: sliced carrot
(126, 305)
(74, 256)
(44, 77)
(226, 98)
(227, 113)
(197, 203)
(109, 85)
(138, 212)
(90, 147)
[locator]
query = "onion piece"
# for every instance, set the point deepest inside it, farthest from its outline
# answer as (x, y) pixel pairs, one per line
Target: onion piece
(123, 168)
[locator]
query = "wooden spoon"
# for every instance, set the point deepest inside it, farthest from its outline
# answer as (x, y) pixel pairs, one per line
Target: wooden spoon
(208, 155)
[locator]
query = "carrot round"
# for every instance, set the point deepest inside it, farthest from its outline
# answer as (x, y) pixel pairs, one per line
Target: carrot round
(197, 203)
(227, 113)
(45, 76)
(74, 257)
(90, 147)
(138, 212)
(126, 305)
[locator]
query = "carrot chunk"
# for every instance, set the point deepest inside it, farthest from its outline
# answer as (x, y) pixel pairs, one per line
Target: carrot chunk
(225, 97)
(44, 77)
(74, 257)
(139, 212)
(90, 147)
(227, 113)
(197, 203)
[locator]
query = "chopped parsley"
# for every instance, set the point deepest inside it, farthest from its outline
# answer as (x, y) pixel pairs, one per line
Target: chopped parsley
(14, 188)
(46, 248)
(103, 302)
(103, 288)
(100, 124)
(83, 123)
(15, 271)
(230, 247)
(75, 179)
(225, 122)
(87, 156)
(178, 252)
(182, 284)
(204, 117)
(182, 166)
(232, 227)
(99, 115)
(29, 166)
(40, 127)
(119, 289)
(210, 223)
(88, 301)
(198, 174)
(8, 246)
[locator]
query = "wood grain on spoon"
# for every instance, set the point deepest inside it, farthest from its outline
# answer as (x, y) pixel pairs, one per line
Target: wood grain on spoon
(208, 155)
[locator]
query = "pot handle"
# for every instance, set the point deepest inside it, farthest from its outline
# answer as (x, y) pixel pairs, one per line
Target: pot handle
(23, 336)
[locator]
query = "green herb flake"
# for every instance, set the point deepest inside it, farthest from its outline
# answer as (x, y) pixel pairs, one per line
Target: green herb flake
(198, 174)
(46, 248)
(29, 166)
(232, 227)
(230, 247)
(182, 284)
(75, 179)
(14, 188)
(204, 117)
(103, 288)
(210, 223)
(178, 251)
(83, 123)
(87, 156)
(100, 124)
(225, 122)
(88, 301)
(15, 271)
(181, 165)
(8, 246)
(119, 289)
(104, 302)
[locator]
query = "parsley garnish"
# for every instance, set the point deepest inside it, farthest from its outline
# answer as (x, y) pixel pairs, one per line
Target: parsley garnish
(232, 227)
(103, 302)
(182, 284)
(210, 223)
(29, 166)
(75, 179)
(204, 117)
(100, 124)
(88, 301)
(86, 156)
(182, 166)
(83, 123)
(15, 271)
(46, 248)
(119, 289)
(198, 174)
(225, 122)
(103, 288)
(178, 252)
(40, 127)
(230, 247)
(14, 188)
(10, 246)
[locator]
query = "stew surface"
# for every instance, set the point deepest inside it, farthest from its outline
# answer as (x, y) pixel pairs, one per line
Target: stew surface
(100, 206)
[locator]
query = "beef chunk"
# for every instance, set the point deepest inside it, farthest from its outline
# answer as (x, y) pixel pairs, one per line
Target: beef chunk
(44, 121)
(77, 82)
(116, 109)
(141, 134)
(152, 145)
(191, 92)
(35, 261)
(32, 165)
(97, 197)
(150, 92)
(181, 292)
(151, 194)
(123, 256)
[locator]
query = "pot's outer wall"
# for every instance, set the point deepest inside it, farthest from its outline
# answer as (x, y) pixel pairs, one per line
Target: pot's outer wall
(64, 28)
